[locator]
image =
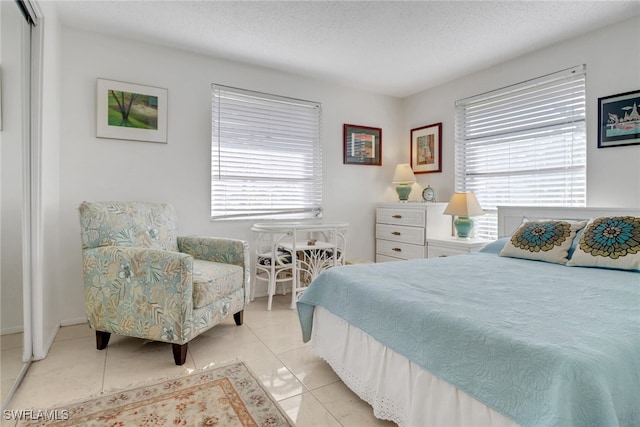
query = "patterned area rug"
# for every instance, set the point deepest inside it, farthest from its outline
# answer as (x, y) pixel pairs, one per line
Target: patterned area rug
(224, 396)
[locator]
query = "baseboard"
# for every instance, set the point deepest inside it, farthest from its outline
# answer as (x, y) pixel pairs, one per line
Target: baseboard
(261, 291)
(260, 294)
(12, 330)
(71, 322)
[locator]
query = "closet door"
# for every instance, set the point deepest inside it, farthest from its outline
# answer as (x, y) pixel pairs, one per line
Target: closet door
(15, 334)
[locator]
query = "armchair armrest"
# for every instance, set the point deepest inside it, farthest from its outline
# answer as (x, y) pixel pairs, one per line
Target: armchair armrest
(216, 249)
(139, 292)
(228, 251)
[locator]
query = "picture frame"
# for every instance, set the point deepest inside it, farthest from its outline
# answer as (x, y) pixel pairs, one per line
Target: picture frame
(362, 145)
(619, 119)
(131, 111)
(426, 149)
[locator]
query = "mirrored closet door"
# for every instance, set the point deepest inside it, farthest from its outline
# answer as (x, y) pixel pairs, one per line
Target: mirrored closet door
(15, 334)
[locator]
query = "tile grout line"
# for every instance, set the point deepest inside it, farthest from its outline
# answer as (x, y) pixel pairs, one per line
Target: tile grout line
(307, 389)
(104, 370)
(283, 364)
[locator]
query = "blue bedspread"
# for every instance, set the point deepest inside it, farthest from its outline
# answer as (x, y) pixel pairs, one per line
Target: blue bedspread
(544, 344)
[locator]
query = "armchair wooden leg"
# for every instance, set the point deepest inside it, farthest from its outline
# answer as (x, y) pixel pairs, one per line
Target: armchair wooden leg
(102, 339)
(180, 353)
(239, 317)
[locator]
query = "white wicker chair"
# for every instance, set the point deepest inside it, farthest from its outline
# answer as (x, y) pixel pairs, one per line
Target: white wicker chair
(272, 264)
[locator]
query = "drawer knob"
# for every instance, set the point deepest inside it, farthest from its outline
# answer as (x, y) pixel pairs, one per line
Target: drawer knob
(397, 216)
(395, 233)
(396, 249)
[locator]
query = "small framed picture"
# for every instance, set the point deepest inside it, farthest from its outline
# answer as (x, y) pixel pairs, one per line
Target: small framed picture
(131, 111)
(426, 149)
(619, 119)
(362, 145)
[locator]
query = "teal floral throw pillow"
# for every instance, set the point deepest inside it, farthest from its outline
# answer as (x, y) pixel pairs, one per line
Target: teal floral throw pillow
(609, 242)
(547, 241)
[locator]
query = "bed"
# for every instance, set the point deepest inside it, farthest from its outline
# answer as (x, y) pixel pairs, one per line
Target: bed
(489, 340)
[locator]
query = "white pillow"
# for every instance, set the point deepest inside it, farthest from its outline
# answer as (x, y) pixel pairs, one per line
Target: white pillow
(547, 241)
(609, 242)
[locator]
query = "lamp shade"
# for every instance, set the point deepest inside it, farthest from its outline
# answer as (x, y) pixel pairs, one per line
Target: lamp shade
(404, 174)
(463, 204)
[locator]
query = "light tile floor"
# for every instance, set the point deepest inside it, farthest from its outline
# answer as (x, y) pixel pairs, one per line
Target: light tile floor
(269, 343)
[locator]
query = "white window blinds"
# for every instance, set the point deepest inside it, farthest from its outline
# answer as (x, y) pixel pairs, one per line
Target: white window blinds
(266, 157)
(523, 145)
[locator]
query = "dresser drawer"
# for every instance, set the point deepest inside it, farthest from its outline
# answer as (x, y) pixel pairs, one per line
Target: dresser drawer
(399, 249)
(438, 251)
(414, 217)
(448, 246)
(400, 233)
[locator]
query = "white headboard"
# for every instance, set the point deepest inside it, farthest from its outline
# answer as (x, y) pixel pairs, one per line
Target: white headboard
(510, 217)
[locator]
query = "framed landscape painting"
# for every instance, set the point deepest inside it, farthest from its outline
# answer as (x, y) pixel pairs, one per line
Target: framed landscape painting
(619, 119)
(131, 111)
(426, 149)
(362, 145)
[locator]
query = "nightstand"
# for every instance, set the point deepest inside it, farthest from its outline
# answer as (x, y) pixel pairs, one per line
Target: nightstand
(448, 246)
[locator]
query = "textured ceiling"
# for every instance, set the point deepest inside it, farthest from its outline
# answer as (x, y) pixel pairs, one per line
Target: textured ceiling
(391, 47)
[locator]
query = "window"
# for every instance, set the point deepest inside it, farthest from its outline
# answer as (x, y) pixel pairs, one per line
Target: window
(266, 157)
(523, 145)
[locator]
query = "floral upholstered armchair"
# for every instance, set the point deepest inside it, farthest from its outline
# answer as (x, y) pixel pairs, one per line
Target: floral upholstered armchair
(143, 280)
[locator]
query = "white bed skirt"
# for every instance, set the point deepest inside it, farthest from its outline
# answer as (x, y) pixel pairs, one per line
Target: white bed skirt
(396, 388)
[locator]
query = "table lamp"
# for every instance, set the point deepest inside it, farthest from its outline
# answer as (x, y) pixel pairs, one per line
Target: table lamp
(403, 177)
(464, 206)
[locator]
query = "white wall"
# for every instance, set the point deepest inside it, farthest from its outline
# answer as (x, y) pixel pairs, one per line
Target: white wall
(100, 169)
(613, 66)
(179, 172)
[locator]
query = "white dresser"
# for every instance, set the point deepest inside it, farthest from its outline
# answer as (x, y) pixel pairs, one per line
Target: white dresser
(402, 229)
